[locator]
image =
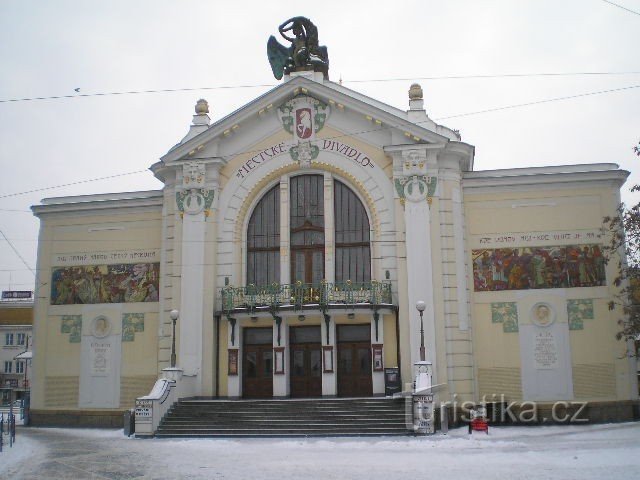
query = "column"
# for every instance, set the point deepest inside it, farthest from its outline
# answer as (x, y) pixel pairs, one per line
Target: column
(285, 262)
(415, 189)
(329, 230)
(194, 200)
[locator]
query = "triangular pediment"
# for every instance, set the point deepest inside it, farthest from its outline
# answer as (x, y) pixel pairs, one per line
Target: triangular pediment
(351, 113)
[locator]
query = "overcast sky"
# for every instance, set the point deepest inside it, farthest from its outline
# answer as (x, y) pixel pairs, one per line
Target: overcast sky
(50, 48)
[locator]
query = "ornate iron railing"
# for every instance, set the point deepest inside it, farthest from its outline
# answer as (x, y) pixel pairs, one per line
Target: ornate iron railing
(297, 295)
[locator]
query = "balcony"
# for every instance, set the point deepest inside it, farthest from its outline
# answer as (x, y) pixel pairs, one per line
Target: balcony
(303, 296)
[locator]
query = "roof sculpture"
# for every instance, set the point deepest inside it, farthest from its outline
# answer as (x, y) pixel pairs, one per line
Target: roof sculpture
(304, 53)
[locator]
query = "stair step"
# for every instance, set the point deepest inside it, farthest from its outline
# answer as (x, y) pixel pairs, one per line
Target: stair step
(285, 418)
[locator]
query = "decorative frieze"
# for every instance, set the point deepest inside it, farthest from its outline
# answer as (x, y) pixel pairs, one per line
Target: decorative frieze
(507, 314)
(115, 283)
(523, 268)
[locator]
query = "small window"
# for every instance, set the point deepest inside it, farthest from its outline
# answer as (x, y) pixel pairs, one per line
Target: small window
(8, 339)
(21, 339)
(8, 367)
(19, 367)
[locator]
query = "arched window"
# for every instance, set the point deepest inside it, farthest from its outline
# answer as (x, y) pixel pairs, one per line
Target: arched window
(353, 247)
(307, 228)
(263, 240)
(307, 234)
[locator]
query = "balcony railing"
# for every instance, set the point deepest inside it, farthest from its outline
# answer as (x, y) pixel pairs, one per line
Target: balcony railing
(298, 295)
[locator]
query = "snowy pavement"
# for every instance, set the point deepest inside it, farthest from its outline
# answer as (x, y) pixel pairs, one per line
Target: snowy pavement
(610, 451)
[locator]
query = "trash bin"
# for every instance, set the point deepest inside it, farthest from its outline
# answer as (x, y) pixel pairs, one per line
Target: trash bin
(129, 422)
(392, 382)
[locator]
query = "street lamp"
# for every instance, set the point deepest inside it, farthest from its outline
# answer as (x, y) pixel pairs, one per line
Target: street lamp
(420, 306)
(173, 314)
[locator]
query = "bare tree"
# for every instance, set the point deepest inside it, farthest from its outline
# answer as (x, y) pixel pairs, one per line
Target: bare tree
(624, 248)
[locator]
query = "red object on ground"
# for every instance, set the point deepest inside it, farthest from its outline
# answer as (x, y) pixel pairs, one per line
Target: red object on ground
(479, 424)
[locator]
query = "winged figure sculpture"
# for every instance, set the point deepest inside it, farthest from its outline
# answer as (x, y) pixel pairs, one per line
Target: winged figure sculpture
(304, 53)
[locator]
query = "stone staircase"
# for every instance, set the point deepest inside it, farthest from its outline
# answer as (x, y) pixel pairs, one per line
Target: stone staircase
(285, 418)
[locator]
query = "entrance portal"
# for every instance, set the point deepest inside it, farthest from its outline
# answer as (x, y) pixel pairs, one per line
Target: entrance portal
(306, 358)
(257, 364)
(354, 361)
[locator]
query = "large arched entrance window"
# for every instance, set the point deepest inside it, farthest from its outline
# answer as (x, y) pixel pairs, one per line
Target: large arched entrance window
(351, 231)
(353, 247)
(307, 228)
(263, 240)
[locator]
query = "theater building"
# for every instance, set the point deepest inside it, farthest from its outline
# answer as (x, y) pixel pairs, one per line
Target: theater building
(295, 237)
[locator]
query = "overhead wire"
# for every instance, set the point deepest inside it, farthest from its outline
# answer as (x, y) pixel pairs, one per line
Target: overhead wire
(271, 85)
(622, 7)
(15, 250)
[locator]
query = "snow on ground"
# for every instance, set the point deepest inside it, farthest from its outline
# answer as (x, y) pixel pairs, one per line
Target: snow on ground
(610, 451)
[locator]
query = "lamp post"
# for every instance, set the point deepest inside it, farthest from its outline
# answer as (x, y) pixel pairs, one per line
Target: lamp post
(420, 306)
(173, 314)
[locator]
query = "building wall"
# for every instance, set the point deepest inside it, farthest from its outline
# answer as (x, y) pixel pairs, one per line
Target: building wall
(63, 343)
(511, 356)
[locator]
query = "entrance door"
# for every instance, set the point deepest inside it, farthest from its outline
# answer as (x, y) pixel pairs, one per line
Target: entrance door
(306, 358)
(257, 364)
(354, 361)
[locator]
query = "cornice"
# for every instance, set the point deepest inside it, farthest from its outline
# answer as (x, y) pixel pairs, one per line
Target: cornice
(536, 176)
(101, 203)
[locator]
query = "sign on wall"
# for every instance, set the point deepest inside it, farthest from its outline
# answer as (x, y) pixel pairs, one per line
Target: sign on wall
(16, 294)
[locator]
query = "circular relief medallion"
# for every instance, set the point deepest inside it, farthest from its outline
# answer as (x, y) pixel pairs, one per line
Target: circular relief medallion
(543, 314)
(101, 326)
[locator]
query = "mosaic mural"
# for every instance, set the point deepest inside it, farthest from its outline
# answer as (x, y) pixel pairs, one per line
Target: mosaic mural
(505, 313)
(72, 324)
(121, 283)
(578, 311)
(131, 323)
(523, 268)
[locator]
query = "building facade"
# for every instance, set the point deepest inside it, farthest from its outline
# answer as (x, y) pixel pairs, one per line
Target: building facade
(295, 236)
(16, 326)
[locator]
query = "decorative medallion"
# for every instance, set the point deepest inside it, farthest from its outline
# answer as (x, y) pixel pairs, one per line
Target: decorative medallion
(100, 326)
(303, 117)
(543, 314)
(194, 197)
(304, 153)
(414, 184)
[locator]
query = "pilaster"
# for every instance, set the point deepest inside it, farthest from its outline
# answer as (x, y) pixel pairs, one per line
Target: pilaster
(415, 188)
